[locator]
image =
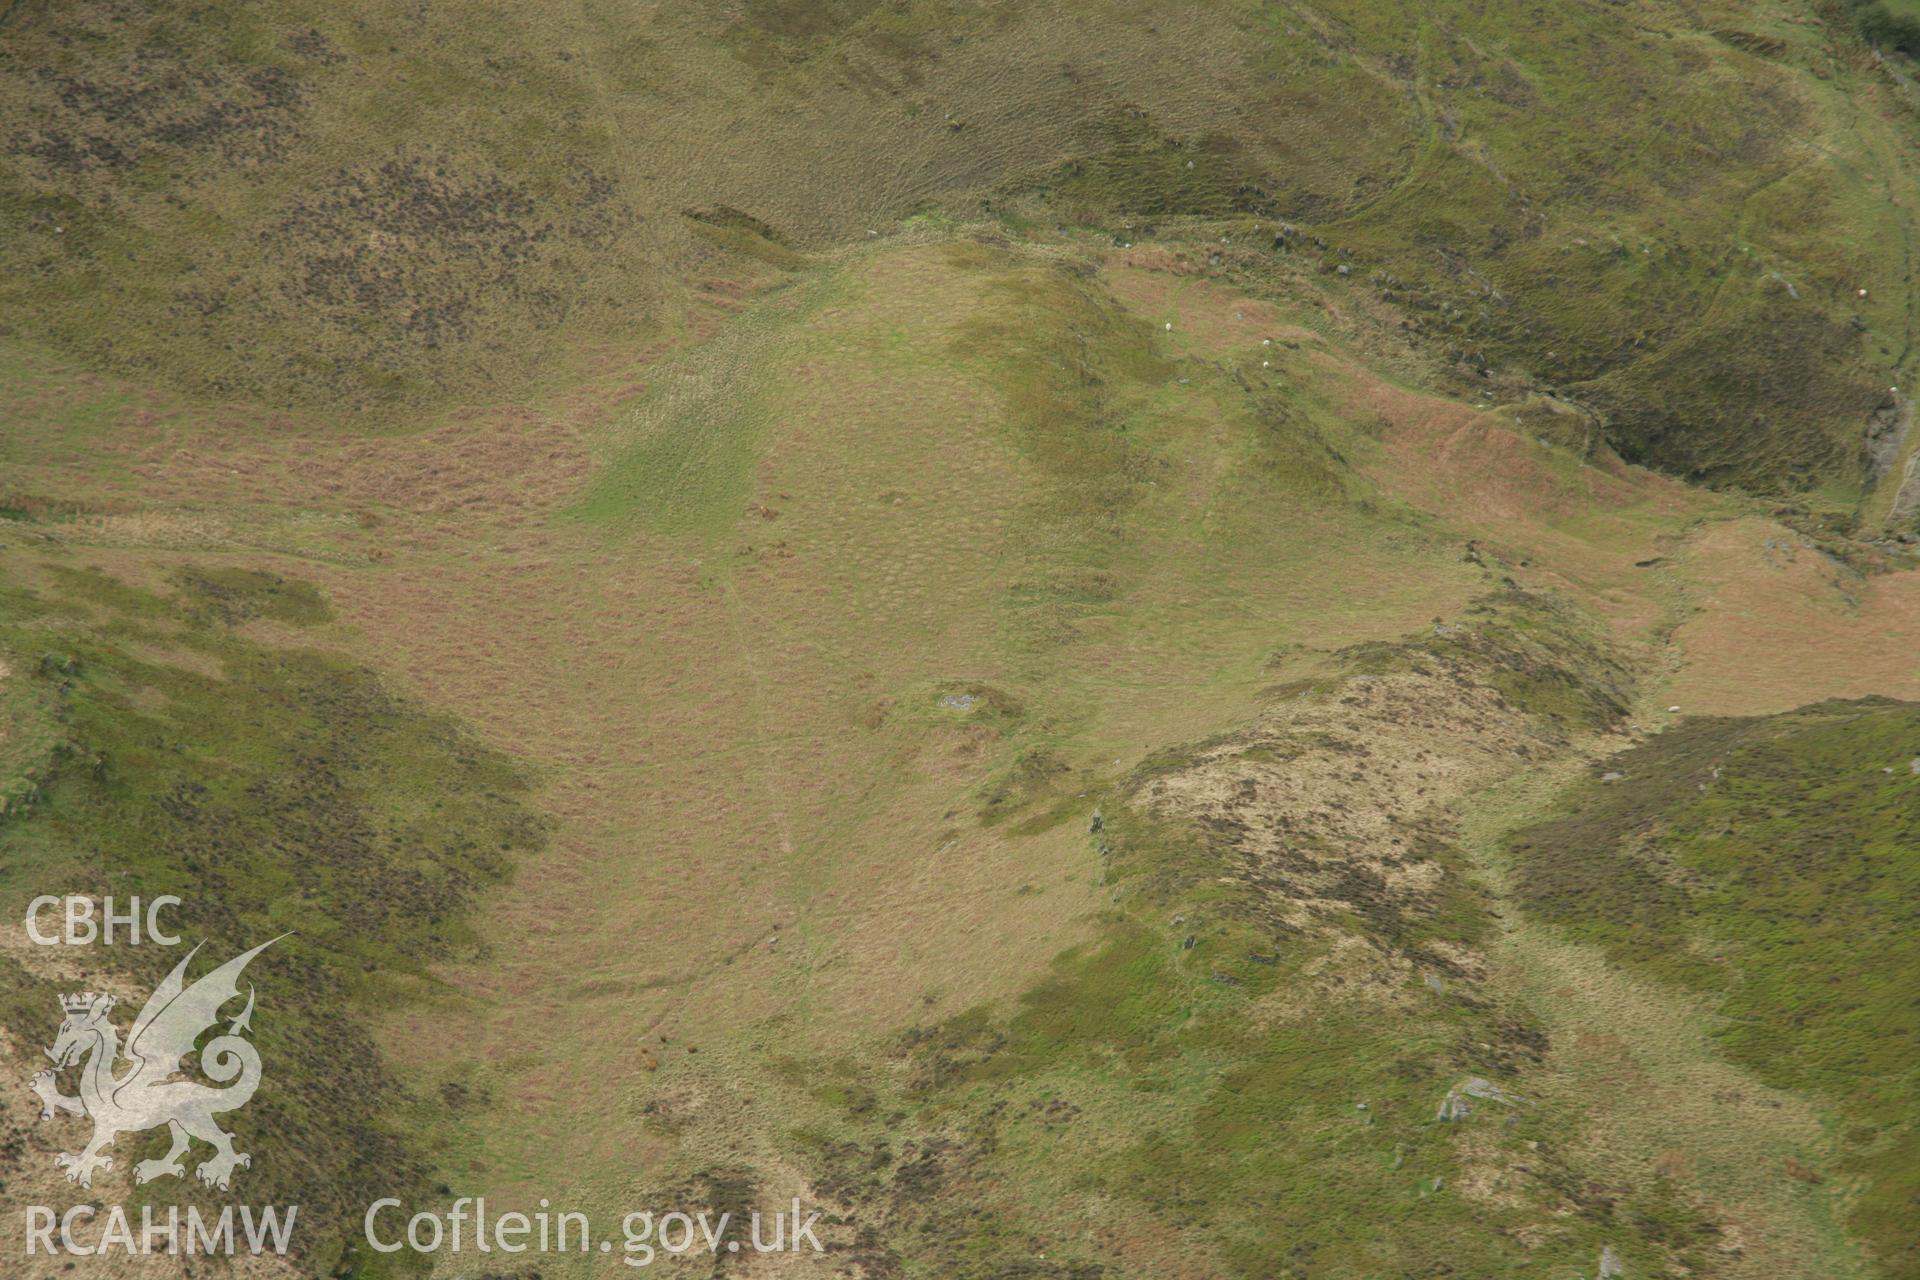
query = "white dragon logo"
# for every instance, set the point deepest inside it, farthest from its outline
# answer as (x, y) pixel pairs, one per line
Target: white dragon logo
(153, 1092)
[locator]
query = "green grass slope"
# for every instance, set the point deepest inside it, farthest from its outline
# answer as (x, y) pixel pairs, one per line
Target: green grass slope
(1768, 863)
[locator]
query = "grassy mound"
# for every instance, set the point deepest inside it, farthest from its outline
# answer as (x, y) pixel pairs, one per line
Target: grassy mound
(1247, 1066)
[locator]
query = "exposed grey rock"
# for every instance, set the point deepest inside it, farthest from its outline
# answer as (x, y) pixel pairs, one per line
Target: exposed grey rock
(1455, 1107)
(1886, 434)
(1888, 430)
(1475, 1087)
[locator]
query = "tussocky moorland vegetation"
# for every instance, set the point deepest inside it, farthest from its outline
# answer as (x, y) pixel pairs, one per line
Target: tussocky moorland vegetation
(1109, 640)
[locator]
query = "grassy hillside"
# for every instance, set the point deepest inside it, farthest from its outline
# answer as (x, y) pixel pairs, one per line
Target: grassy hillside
(1247, 1061)
(1766, 862)
(369, 210)
(1013, 620)
(826, 647)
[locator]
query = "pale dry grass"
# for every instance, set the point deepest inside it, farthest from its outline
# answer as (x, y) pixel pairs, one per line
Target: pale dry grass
(1780, 624)
(1546, 517)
